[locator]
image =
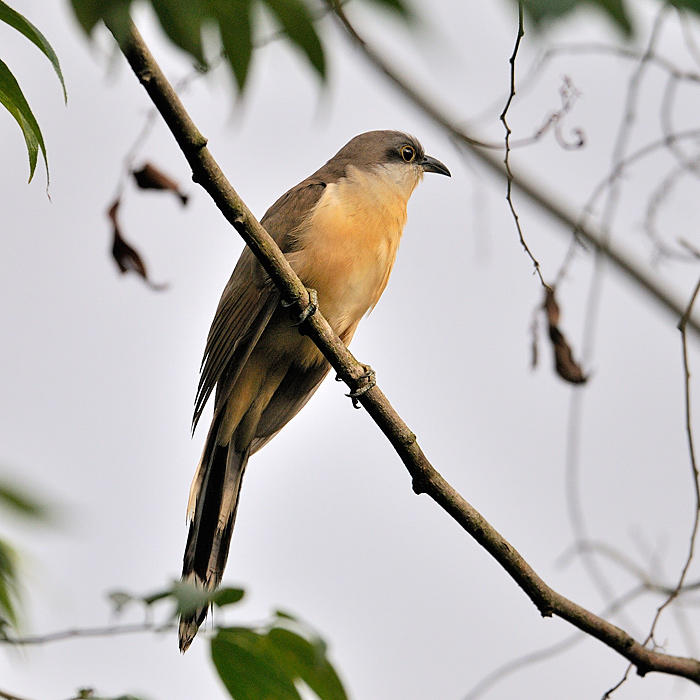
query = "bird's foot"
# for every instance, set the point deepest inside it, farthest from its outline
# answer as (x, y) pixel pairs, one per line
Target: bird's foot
(370, 380)
(309, 310)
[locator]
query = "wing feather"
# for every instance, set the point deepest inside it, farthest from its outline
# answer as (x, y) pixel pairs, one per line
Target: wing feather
(249, 299)
(297, 387)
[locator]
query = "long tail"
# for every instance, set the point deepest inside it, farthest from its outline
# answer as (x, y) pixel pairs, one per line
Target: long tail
(212, 512)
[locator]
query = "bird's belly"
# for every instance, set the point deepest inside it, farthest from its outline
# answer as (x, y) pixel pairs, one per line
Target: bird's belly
(348, 282)
(347, 251)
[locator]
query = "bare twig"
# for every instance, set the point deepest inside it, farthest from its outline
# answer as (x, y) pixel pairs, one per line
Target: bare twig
(676, 591)
(613, 191)
(656, 200)
(632, 568)
(87, 632)
(9, 696)
(622, 139)
(425, 477)
(693, 465)
(506, 157)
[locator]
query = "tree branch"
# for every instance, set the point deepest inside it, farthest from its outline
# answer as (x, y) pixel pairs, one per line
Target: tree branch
(9, 696)
(426, 479)
(82, 632)
(524, 182)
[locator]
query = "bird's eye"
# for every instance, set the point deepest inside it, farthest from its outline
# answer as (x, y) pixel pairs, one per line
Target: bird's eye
(408, 153)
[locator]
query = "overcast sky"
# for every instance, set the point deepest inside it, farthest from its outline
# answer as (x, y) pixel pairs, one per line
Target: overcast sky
(99, 372)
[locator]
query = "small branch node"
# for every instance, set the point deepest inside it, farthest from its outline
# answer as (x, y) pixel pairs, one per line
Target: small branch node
(545, 609)
(419, 484)
(239, 224)
(408, 438)
(145, 76)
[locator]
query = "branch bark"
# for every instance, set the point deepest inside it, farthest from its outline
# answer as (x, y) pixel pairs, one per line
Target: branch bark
(426, 479)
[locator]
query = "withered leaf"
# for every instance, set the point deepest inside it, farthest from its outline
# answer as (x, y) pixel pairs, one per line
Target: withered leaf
(151, 178)
(564, 364)
(125, 255)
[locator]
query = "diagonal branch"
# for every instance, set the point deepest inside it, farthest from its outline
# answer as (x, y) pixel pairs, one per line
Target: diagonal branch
(9, 696)
(426, 478)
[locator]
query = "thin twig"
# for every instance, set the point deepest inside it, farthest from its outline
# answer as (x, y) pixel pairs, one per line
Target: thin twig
(595, 291)
(624, 562)
(82, 632)
(506, 157)
(9, 696)
(693, 465)
(656, 200)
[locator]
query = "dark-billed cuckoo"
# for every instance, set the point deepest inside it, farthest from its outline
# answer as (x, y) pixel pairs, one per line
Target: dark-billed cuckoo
(340, 229)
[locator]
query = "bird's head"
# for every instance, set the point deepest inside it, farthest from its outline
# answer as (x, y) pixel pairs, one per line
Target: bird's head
(395, 156)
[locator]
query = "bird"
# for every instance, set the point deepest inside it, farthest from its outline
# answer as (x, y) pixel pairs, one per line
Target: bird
(340, 229)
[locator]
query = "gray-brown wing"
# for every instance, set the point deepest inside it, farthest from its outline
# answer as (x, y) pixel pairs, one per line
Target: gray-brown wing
(249, 300)
(296, 389)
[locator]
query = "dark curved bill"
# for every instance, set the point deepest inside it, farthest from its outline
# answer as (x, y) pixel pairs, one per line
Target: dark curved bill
(433, 165)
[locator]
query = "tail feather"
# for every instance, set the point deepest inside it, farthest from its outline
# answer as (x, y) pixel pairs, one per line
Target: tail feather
(213, 506)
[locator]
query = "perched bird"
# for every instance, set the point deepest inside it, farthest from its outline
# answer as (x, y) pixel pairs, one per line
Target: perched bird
(340, 229)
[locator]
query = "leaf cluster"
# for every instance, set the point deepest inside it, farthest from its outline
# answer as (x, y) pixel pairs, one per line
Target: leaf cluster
(543, 11)
(234, 22)
(11, 95)
(18, 502)
(185, 25)
(270, 660)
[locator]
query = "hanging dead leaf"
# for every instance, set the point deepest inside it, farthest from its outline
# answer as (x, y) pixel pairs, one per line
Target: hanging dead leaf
(151, 178)
(564, 363)
(125, 255)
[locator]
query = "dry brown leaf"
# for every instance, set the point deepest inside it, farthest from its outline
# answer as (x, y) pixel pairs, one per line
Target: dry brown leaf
(564, 363)
(125, 255)
(151, 178)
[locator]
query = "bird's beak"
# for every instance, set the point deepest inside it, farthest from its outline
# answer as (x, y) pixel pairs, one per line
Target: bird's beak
(433, 165)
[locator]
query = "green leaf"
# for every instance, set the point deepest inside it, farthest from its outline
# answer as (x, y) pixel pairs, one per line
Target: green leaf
(182, 22)
(294, 18)
(155, 597)
(8, 585)
(88, 14)
(24, 26)
(617, 11)
(285, 615)
(227, 596)
(12, 98)
(236, 33)
(397, 6)
(308, 661)
(541, 10)
(21, 502)
(116, 12)
(189, 597)
(248, 666)
(693, 5)
(546, 10)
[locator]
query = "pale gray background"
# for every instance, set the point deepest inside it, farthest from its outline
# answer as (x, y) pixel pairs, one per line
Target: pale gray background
(99, 373)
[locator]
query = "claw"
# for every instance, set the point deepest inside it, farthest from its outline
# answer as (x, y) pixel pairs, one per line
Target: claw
(370, 377)
(309, 310)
